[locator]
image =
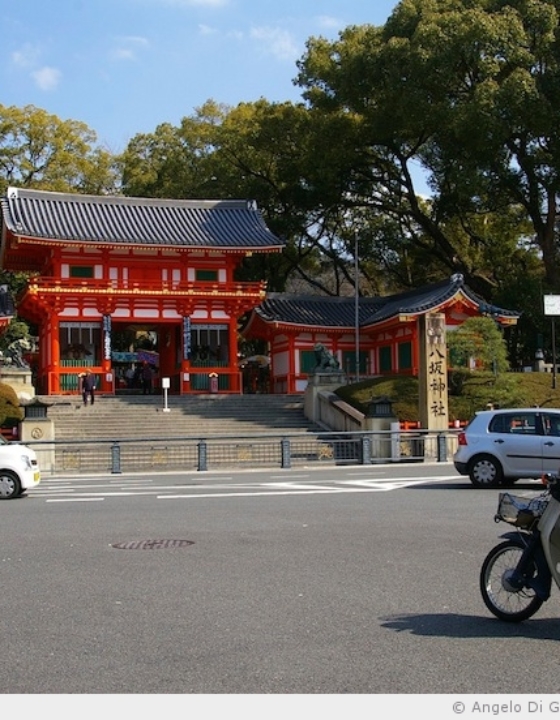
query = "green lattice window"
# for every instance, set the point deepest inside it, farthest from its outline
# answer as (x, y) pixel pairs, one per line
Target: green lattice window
(349, 361)
(206, 275)
(307, 361)
(81, 271)
(405, 356)
(385, 359)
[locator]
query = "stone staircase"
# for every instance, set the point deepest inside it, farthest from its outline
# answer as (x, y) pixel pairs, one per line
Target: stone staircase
(196, 416)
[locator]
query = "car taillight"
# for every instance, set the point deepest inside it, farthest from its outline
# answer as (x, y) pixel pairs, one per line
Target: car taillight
(462, 438)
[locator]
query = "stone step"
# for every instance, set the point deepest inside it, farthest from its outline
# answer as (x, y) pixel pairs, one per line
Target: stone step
(136, 416)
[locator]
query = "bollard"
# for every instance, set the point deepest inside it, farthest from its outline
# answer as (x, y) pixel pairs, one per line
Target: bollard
(366, 450)
(441, 448)
(202, 456)
(286, 453)
(115, 458)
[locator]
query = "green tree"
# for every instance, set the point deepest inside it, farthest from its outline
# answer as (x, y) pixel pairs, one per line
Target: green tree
(176, 162)
(254, 151)
(465, 95)
(38, 150)
(478, 339)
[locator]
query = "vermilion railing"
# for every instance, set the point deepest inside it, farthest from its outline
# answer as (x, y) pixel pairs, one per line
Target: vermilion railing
(96, 286)
(66, 381)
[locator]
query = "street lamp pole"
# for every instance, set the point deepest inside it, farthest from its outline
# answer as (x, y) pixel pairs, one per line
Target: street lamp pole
(553, 353)
(356, 306)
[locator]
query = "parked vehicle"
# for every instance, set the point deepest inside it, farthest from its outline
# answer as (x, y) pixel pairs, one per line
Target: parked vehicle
(501, 446)
(516, 575)
(19, 469)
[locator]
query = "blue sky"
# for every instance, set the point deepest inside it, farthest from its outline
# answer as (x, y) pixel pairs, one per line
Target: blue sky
(125, 66)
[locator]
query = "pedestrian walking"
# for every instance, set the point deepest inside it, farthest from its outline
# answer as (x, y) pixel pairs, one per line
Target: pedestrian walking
(147, 378)
(4, 300)
(88, 388)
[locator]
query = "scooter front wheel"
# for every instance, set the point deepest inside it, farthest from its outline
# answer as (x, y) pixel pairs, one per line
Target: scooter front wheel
(500, 591)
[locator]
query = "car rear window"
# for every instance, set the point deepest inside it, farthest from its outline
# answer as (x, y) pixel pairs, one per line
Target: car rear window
(551, 424)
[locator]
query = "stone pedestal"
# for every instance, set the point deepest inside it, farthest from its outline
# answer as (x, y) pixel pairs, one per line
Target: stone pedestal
(381, 437)
(317, 382)
(20, 380)
(38, 433)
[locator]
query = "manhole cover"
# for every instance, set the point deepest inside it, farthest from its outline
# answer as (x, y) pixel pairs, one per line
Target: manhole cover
(152, 544)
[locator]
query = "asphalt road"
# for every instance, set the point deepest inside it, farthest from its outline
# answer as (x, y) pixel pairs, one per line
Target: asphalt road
(356, 580)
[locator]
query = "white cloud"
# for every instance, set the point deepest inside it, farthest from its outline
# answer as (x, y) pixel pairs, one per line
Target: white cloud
(123, 54)
(278, 42)
(46, 78)
(26, 57)
(206, 30)
(330, 23)
(136, 40)
(128, 47)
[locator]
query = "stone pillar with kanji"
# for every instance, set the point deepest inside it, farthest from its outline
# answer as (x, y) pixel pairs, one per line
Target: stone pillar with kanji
(433, 401)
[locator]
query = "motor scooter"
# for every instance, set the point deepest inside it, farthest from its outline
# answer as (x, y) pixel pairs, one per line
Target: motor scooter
(516, 576)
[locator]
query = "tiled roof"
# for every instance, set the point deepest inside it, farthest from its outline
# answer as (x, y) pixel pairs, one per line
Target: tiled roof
(231, 224)
(315, 310)
(339, 312)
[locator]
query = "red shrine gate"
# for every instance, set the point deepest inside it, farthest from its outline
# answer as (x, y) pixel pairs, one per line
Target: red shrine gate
(120, 281)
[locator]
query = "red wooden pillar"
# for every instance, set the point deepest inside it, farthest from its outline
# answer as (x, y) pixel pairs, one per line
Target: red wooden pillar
(291, 384)
(232, 364)
(108, 381)
(54, 350)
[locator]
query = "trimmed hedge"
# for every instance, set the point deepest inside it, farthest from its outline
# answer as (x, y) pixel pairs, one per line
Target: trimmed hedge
(11, 413)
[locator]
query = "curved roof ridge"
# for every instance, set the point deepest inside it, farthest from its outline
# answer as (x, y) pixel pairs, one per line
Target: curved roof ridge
(336, 311)
(120, 220)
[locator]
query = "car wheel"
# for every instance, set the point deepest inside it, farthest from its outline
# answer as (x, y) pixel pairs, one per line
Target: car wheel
(485, 471)
(10, 486)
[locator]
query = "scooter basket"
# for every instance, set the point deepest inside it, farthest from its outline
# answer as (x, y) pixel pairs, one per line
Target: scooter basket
(518, 510)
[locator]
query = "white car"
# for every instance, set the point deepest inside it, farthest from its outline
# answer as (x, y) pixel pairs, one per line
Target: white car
(19, 469)
(499, 447)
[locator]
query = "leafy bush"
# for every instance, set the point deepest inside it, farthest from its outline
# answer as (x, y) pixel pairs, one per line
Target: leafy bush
(10, 411)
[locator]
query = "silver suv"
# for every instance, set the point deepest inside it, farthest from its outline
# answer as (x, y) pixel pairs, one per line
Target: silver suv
(501, 446)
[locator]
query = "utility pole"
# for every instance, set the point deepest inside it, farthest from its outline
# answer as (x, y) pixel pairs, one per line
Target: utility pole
(357, 305)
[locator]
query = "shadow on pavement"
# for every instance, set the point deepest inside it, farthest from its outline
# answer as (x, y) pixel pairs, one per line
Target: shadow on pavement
(471, 626)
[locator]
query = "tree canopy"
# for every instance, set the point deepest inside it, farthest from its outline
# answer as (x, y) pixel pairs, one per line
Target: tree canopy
(38, 150)
(428, 145)
(462, 94)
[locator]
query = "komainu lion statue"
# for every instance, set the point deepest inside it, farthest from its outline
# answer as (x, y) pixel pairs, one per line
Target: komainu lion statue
(13, 355)
(325, 360)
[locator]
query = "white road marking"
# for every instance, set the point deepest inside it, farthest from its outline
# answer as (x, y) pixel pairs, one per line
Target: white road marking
(280, 485)
(75, 499)
(300, 489)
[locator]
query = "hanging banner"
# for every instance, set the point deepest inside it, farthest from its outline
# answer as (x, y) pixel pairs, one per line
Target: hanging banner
(186, 338)
(139, 356)
(106, 337)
